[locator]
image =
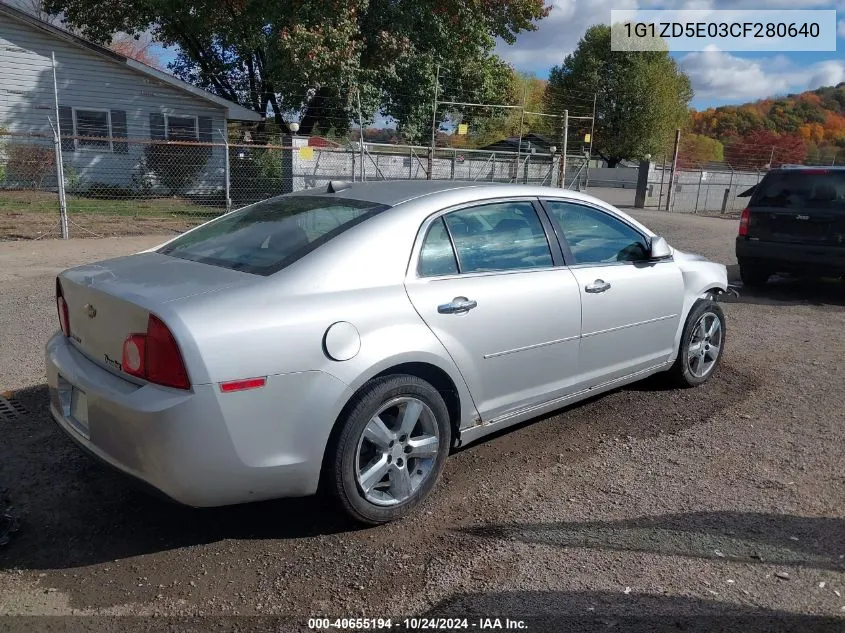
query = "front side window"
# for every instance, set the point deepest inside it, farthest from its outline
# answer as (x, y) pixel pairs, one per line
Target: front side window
(499, 236)
(265, 237)
(93, 127)
(595, 237)
(182, 128)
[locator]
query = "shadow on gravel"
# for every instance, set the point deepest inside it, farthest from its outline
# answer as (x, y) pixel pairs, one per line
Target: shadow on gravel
(735, 536)
(74, 511)
(559, 611)
(787, 290)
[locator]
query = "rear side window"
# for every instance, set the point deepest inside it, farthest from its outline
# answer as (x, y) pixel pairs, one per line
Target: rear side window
(499, 236)
(802, 189)
(265, 237)
(437, 257)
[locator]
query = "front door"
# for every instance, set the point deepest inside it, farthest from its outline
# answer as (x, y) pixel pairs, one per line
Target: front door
(630, 306)
(489, 288)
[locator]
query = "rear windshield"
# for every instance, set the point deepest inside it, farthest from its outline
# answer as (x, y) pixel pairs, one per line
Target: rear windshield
(265, 237)
(810, 189)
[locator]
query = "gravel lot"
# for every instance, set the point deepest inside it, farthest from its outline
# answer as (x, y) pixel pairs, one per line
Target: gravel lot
(719, 508)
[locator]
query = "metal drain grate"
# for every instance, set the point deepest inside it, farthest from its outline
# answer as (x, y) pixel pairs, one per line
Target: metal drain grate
(11, 409)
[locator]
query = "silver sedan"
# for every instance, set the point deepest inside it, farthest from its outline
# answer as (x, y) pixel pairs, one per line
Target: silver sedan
(351, 336)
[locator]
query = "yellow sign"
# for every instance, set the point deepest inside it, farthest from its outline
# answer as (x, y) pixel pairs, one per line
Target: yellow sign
(306, 153)
(463, 129)
(586, 138)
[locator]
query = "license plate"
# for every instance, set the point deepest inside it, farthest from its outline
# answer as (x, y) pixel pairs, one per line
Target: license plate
(79, 410)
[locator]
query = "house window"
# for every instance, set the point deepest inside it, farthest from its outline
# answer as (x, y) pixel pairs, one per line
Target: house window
(95, 128)
(181, 128)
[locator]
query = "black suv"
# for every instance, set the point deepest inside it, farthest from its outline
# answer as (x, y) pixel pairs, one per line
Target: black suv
(794, 223)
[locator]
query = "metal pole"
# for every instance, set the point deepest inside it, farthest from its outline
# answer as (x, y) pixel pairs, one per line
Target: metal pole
(730, 186)
(428, 175)
(565, 147)
(592, 133)
(662, 176)
(674, 169)
(361, 134)
(698, 193)
(226, 172)
(772, 158)
(60, 167)
(521, 123)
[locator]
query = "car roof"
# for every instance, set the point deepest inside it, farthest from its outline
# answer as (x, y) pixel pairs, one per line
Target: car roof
(394, 192)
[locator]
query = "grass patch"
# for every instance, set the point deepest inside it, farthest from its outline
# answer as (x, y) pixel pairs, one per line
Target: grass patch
(47, 202)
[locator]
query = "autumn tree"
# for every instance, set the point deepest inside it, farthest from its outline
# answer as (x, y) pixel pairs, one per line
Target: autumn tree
(305, 59)
(697, 149)
(641, 97)
(139, 48)
(762, 148)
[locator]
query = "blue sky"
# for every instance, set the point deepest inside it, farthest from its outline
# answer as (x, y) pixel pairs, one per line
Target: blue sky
(718, 77)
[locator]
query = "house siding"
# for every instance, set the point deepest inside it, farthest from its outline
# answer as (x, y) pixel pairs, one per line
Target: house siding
(89, 80)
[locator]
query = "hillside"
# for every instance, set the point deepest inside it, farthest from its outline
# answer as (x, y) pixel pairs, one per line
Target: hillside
(807, 127)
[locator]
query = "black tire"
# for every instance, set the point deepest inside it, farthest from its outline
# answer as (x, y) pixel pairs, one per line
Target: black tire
(341, 479)
(681, 374)
(753, 275)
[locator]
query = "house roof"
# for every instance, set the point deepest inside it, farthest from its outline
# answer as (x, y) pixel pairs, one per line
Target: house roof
(233, 110)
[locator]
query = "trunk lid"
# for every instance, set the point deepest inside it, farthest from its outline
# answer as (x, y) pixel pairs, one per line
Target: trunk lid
(799, 206)
(110, 300)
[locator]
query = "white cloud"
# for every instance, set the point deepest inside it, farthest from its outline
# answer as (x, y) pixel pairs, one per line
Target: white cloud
(720, 75)
(840, 28)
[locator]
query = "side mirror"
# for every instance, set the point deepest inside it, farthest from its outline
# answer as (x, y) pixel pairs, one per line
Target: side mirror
(659, 249)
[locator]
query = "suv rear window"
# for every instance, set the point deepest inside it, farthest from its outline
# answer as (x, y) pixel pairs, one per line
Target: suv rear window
(802, 188)
(265, 237)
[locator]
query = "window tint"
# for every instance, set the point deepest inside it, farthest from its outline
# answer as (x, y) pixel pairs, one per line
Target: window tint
(94, 124)
(802, 188)
(266, 237)
(436, 255)
(595, 237)
(182, 128)
(502, 236)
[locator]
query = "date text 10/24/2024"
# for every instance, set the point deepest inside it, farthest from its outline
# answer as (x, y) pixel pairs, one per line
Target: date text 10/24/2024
(417, 624)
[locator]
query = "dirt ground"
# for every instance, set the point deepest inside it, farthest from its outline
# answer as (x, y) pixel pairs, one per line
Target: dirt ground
(717, 508)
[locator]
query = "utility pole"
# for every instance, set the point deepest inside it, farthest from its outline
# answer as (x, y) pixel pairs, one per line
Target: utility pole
(674, 168)
(428, 175)
(519, 146)
(565, 147)
(361, 130)
(592, 134)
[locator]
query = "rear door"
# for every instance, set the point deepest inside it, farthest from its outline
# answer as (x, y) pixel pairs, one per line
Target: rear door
(489, 282)
(799, 206)
(630, 306)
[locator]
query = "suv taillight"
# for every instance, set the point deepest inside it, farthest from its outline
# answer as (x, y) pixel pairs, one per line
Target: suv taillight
(743, 222)
(61, 307)
(155, 356)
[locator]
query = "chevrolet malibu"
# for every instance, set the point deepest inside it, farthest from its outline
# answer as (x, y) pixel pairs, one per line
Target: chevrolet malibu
(347, 338)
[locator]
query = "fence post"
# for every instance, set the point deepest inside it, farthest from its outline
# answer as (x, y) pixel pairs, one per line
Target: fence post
(227, 185)
(728, 191)
(60, 168)
(698, 192)
(662, 175)
(674, 168)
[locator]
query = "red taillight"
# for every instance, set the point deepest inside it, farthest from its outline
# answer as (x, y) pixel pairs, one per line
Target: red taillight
(61, 306)
(743, 222)
(155, 356)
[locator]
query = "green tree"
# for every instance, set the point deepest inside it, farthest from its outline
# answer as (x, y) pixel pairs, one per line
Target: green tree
(641, 96)
(305, 58)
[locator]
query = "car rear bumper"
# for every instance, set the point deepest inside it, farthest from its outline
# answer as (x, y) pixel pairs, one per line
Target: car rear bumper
(782, 257)
(199, 447)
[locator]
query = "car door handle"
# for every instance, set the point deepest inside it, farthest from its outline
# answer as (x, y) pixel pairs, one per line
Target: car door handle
(458, 305)
(599, 285)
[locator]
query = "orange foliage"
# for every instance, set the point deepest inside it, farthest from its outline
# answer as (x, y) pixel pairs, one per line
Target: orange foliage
(139, 50)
